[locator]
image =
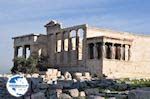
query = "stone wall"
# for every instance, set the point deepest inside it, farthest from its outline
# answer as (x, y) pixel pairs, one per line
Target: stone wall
(66, 46)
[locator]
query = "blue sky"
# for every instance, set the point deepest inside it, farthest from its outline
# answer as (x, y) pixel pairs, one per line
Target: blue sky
(18, 17)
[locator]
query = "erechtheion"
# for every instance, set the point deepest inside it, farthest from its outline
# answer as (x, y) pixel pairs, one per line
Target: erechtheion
(85, 48)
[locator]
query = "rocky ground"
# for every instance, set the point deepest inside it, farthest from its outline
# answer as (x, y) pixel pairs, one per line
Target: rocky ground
(54, 85)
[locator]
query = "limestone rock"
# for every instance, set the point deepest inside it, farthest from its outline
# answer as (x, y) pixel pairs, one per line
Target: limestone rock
(80, 85)
(58, 74)
(87, 75)
(52, 81)
(120, 87)
(95, 83)
(64, 96)
(67, 76)
(36, 80)
(28, 76)
(82, 94)
(59, 91)
(42, 76)
(111, 98)
(121, 96)
(73, 92)
(53, 96)
(74, 80)
(51, 74)
(35, 75)
(139, 94)
(55, 86)
(54, 93)
(61, 77)
(65, 83)
(43, 86)
(95, 97)
(92, 91)
(38, 95)
(82, 77)
(77, 74)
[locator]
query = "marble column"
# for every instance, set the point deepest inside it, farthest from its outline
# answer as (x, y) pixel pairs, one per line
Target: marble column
(95, 51)
(24, 51)
(69, 48)
(62, 41)
(77, 43)
(129, 52)
(121, 52)
(16, 52)
(126, 52)
(62, 47)
(69, 42)
(113, 53)
(103, 50)
(77, 47)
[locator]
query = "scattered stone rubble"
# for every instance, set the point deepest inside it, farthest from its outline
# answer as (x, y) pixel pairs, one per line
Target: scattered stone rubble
(54, 85)
(142, 93)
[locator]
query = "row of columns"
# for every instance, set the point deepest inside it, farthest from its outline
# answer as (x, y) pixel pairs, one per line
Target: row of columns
(23, 49)
(69, 38)
(110, 51)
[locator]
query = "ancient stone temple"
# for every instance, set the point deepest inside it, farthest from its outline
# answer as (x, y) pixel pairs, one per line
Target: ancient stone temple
(85, 48)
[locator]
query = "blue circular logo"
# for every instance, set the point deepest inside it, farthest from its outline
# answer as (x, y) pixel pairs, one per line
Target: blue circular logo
(17, 85)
